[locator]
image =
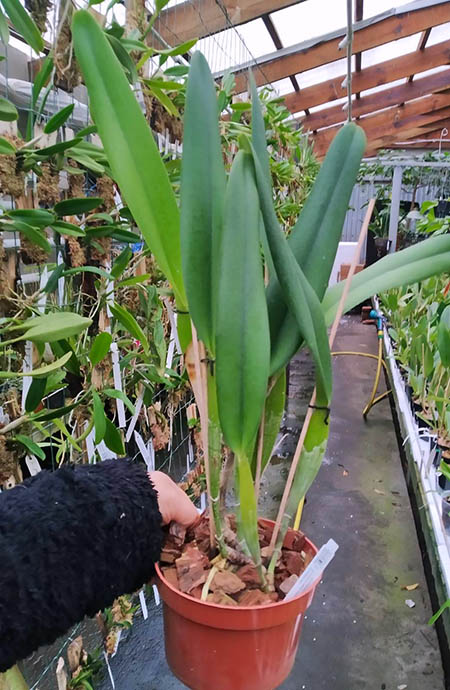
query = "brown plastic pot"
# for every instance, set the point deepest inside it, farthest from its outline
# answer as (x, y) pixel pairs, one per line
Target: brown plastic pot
(232, 648)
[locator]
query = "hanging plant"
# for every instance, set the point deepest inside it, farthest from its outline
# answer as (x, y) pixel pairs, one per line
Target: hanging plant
(12, 177)
(39, 10)
(48, 185)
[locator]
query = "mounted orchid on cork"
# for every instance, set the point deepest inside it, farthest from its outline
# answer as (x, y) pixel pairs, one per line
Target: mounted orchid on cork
(238, 334)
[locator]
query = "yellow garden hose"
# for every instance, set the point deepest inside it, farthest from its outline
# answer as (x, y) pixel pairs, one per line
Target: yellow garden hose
(373, 400)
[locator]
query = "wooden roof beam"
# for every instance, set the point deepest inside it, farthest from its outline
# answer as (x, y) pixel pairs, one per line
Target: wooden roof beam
(378, 101)
(368, 78)
(367, 34)
(407, 138)
(424, 36)
(200, 18)
(393, 120)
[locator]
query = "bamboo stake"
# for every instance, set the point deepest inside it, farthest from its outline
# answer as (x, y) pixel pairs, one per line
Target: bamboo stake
(309, 413)
(202, 403)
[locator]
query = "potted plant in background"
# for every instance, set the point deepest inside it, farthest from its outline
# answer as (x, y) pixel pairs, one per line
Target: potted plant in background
(242, 337)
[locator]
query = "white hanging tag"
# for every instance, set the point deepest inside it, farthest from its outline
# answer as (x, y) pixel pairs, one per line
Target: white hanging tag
(151, 453)
(143, 604)
(118, 385)
(104, 452)
(111, 677)
(42, 301)
(60, 282)
(90, 446)
(170, 352)
(27, 366)
(156, 595)
(191, 450)
(202, 502)
(134, 418)
(33, 464)
(116, 646)
(173, 318)
(143, 450)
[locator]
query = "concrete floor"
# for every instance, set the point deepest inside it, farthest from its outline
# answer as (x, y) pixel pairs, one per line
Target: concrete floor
(359, 633)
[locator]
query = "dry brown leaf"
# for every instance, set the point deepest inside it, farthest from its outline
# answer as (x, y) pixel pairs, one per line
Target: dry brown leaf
(410, 588)
(74, 651)
(345, 473)
(61, 675)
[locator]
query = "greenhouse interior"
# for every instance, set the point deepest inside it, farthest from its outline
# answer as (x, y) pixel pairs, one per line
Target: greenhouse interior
(224, 344)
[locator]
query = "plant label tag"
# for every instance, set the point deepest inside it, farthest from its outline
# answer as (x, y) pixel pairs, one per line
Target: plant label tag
(27, 366)
(111, 677)
(33, 464)
(156, 595)
(143, 450)
(118, 384)
(202, 502)
(143, 604)
(134, 418)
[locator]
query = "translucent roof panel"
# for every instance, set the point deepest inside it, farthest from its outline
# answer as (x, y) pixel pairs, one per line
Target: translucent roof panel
(323, 73)
(391, 50)
(374, 7)
(309, 19)
(283, 86)
(322, 106)
(438, 34)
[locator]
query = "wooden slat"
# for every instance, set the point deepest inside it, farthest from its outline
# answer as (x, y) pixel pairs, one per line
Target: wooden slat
(199, 18)
(424, 36)
(407, 137)
(365, 37)
(368, 78)
(412, 114)
(378, 101)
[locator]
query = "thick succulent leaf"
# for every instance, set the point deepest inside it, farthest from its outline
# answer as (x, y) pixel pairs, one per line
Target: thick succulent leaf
(202, 197)
(410, 265)
(242, 329)
(315, 237)
(297, 293)
(24, 24)
(131, 149)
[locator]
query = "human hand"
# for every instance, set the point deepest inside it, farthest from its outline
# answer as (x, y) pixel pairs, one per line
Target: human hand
(173, 503)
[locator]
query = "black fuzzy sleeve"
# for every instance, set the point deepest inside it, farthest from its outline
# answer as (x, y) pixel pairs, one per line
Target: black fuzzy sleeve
(71, 541)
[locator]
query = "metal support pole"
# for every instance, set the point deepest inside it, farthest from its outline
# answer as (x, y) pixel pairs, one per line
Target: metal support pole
(395, 207)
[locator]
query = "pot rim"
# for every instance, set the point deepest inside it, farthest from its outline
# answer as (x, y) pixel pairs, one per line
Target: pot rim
(220, 607)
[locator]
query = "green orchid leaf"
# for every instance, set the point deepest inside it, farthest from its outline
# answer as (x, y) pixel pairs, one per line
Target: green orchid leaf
(40, 371)
(55, 326)
(120, 395)
(129, 323)
(202, 198)
(76, 207)
(242, 336)
(99, 418)
(121, 263)
(35, 394)
(24, 24)
(32, 216)
(134, 159)
(64, 228)
(8, 111)
(113, 438)
(59, 119)
(6, 148)
(30, 445)
(100, 348)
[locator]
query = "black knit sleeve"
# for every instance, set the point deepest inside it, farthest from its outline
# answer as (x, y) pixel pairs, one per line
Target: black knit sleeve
(71, 541)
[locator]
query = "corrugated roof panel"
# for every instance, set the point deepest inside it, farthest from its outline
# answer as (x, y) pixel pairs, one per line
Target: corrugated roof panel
(322, 73)
(309, 19)
(390, 50)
